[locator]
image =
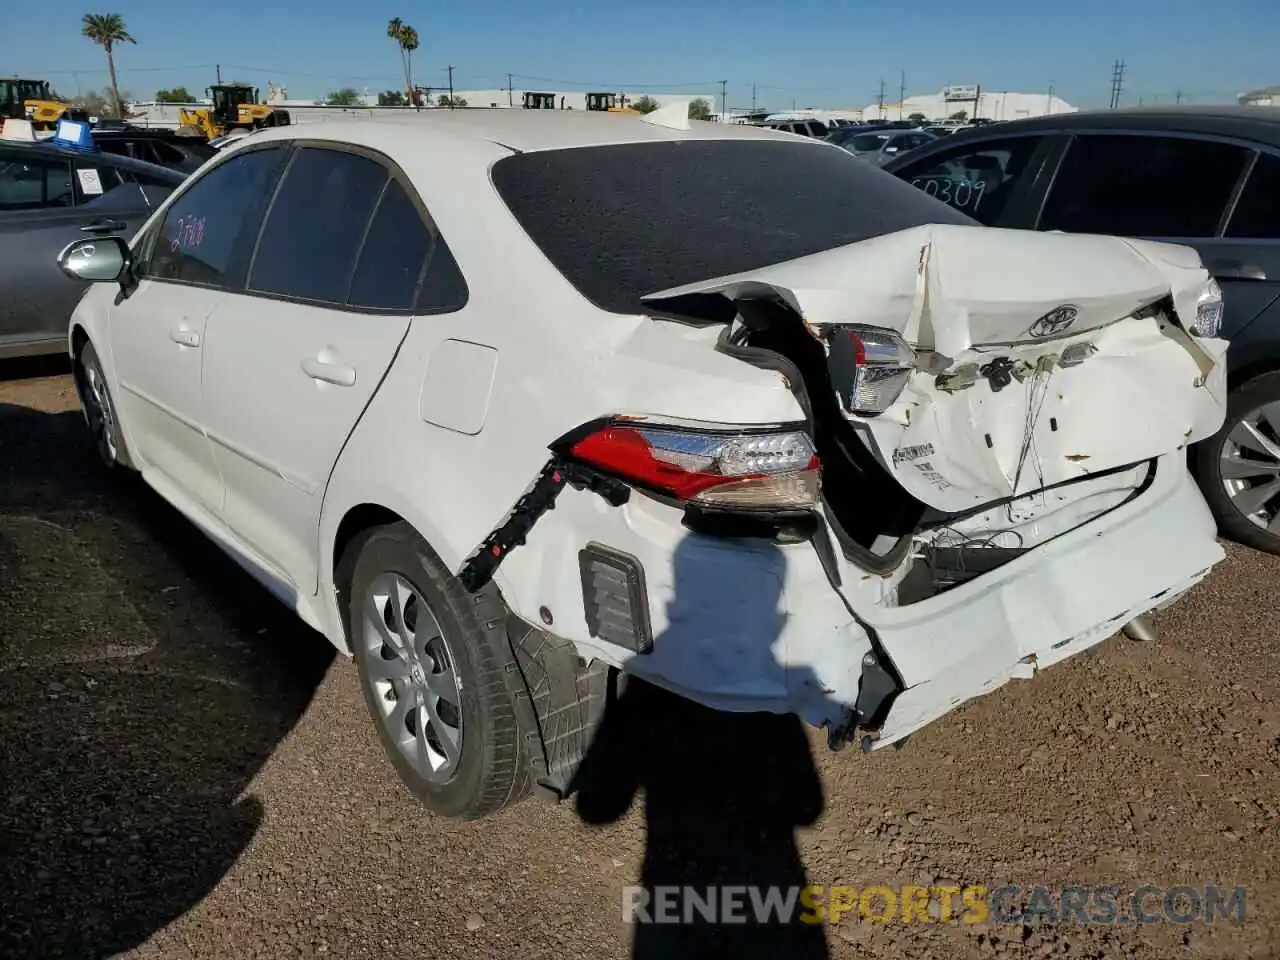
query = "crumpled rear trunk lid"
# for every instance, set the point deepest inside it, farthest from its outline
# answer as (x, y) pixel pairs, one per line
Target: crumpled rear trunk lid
(1043, 357)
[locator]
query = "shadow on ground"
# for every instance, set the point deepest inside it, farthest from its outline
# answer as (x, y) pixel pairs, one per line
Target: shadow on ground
(144, 680)
(723, 792)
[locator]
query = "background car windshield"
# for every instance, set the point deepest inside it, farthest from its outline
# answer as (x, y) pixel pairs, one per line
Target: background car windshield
(866, 142)
(623, 221)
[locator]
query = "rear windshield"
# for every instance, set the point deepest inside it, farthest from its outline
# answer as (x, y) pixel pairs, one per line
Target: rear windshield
(626, 220)
(867, 142)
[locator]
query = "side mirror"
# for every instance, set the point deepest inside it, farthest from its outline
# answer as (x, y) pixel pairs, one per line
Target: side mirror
(96, 260)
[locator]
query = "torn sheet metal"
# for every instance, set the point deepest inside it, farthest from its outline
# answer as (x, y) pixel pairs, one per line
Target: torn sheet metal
(1044, 338)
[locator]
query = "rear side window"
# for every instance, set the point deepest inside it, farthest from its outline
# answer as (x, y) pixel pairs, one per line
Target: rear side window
(207, 234)
(394, 254)
(978, 179)
(316, 225)
(626, 220)
(1171, 187)
(1257, 213)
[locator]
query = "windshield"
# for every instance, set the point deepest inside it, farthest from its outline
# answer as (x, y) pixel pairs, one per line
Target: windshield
(625, 220)
(33, 89)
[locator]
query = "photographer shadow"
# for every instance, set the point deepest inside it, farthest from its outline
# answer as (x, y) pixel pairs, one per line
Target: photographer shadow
(723, 792)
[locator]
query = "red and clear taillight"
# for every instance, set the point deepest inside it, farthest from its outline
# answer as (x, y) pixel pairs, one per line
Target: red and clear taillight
(869, 367)
(733, 471)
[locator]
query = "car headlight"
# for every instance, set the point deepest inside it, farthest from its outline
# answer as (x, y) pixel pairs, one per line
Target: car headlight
(1208, 311)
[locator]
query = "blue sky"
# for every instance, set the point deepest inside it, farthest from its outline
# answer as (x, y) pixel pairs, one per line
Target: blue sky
(822, 54)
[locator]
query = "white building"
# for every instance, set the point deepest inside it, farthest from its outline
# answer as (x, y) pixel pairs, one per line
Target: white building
(974, 101)
(1266, 97)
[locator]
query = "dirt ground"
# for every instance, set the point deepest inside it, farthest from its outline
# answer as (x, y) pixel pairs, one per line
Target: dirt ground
(187, 771)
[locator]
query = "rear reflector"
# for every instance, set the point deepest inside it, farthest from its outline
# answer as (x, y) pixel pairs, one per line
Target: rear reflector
(614, 598)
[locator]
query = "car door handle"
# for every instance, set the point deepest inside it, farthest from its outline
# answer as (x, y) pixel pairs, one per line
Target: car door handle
(330, 372)
(185, 336)
(104, 226)
(1235, 270)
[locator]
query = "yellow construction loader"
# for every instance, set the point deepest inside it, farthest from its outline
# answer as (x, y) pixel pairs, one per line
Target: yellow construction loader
(235, 107)
(32, 100)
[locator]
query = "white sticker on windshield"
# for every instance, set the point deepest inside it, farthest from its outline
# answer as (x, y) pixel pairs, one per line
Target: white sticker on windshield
(90, 182)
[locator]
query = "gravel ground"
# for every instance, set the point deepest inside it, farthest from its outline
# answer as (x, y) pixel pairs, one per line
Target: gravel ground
(188, 772)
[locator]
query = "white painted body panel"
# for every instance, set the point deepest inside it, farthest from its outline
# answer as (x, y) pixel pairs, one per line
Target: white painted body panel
(738, 626)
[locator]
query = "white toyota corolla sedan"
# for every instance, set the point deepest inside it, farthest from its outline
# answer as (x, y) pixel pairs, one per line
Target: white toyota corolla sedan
(508, 403)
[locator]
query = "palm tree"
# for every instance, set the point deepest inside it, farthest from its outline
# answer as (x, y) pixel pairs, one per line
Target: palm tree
(106, 30)
(406, 39)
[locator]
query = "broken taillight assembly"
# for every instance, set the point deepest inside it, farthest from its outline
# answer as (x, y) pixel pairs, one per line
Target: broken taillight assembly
(869, 367)
(750, 470)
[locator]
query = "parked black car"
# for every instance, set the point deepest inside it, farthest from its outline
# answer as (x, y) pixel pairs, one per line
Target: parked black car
(1207, 177)
(161, 147)
(49, 196)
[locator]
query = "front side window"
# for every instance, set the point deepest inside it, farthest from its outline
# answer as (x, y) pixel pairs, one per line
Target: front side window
(1143, 186)
(977, 180)
(317, 223)
(33, 183)
(1257, 212)
(207, 235)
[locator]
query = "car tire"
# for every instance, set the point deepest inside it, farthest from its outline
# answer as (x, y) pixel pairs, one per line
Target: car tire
(100, 410)
(462, 759)
(1226, 469)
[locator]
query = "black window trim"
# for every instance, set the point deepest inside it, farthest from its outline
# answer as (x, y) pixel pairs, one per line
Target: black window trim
(145, 242)
(1071, 134)
(394, 172)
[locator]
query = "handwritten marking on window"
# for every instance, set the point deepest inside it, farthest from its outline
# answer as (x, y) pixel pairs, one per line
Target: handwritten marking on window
(958, 193)
(188, 233)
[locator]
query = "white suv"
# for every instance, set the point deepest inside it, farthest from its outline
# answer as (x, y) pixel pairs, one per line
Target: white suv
(502, 402)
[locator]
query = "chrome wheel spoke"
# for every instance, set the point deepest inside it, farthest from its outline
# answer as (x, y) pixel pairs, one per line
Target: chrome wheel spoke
(1253, 499)
(383, 635)
(1270, 415)
(404, 705)
(383, 670)
(1247, 435)
(402, 596)
(1236, 467)
(446, 735)
(445, 686)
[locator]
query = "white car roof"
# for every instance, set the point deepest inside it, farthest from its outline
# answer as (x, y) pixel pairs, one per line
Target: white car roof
(522, 130)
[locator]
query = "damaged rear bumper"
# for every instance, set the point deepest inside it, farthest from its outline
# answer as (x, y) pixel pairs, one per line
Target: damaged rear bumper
(750, 625)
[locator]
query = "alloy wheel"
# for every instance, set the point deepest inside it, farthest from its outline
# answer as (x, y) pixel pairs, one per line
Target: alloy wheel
(1249, 467)
(100, 413)
(411, 669)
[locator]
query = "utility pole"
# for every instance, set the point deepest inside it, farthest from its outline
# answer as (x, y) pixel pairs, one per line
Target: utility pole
(753, 96)
(450, 69)
(217, 69)
(902, 92)
(1117, 82)
(510, 101)
(880, 101)
(1048, 100)
(1177, 97)
(724, 101)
